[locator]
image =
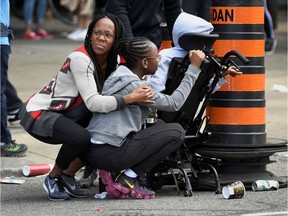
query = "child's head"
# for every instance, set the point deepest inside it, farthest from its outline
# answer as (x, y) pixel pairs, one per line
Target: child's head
(140, 54)
(188, 23)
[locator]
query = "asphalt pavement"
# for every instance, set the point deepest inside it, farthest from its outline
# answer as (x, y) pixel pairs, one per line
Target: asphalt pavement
(34, 63)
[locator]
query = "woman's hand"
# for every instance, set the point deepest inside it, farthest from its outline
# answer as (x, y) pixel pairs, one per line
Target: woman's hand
(233, 71)
(142, 94)
(196, 57)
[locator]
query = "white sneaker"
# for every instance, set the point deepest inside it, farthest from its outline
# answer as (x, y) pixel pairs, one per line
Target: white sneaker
(73, 33)
(78, 35)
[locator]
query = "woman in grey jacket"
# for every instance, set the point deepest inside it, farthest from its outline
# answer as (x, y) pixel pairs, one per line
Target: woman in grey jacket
(118, 138)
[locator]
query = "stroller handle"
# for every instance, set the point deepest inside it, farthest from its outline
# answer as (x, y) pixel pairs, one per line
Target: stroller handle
(237, 54)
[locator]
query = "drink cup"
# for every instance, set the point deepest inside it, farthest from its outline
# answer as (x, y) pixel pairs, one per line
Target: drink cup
(234, 190)
(36, 169)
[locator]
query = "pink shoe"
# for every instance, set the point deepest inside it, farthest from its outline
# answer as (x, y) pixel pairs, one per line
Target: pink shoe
(113, 189)
(136, 189)
(44, 34)
(31, 36)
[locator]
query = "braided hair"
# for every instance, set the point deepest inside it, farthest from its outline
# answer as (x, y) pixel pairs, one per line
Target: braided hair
(134, 50)
(112, 55)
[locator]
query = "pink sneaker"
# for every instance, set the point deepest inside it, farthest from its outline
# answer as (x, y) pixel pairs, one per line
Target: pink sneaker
(113, 189)
(44, 34)
(136, 189)
(31, 36)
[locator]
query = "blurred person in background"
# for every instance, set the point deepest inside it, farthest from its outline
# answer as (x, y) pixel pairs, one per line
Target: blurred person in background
(28, 10)
(270, 40)
(8, 146)
(84, 10)
(144, 18)
(200, 8)
(14, 103)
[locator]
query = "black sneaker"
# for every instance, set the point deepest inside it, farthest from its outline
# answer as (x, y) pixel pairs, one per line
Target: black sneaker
(55, 190)
(71, 186)
(12, 149)
(88, 177)
(136, 189)
(13, 119)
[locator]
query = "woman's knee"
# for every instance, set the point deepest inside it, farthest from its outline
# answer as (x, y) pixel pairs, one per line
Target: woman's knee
(70, 132)
(82, 138)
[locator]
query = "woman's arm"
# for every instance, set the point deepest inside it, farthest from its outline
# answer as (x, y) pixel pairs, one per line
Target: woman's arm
(82, 69)
(142, 94)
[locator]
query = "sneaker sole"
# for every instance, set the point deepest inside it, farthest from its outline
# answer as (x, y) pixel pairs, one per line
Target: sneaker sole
(5, 154)
(74, 195)
(140, 195)
(52, 199)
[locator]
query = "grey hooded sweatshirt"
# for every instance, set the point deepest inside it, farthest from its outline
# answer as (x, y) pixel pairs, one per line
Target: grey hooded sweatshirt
(112, 128)
(185, 23)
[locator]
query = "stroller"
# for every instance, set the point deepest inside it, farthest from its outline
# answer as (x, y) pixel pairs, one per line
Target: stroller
(184, 166)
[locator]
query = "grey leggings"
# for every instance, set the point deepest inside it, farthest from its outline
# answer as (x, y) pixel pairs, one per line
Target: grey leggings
(140, 152)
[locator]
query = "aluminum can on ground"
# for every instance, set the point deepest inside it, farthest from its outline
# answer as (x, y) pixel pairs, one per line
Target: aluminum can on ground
(264, 185)
(36, 169)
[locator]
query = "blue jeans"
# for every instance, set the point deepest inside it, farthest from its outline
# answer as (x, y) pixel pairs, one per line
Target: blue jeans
(13, 101)
(5, 133)
(28, 10)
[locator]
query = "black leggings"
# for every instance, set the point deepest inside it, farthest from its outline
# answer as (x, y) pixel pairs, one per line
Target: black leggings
(74, 139)
(140, 152)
